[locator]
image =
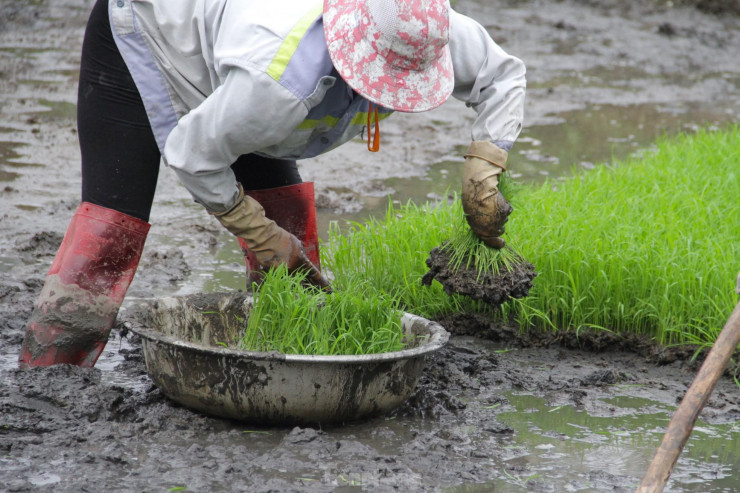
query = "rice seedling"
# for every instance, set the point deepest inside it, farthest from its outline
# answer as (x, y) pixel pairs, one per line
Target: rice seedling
(465, 265)
(648, 245)
(293, 318)
(467, 250)
(389, 254)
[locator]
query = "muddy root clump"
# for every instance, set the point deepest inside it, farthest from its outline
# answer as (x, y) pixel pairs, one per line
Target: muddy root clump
(492, 288)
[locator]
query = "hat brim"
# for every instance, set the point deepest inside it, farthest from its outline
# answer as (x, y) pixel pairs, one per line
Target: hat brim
(371, 76)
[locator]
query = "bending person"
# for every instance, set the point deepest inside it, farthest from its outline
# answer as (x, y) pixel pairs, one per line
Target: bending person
(229, 94)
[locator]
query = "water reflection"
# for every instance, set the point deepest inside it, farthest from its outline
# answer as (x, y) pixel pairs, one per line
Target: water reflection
(576, 443)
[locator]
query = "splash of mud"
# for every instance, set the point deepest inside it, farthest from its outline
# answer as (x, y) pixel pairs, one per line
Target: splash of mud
(492, 288)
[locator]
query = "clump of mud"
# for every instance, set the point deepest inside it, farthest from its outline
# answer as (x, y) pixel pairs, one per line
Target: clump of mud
(492, 288)
(42, 243)
(448, 373)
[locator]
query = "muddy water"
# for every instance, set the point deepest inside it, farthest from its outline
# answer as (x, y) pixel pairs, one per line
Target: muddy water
(606, 78)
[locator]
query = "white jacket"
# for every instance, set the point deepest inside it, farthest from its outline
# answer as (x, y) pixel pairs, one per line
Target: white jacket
(222, 78)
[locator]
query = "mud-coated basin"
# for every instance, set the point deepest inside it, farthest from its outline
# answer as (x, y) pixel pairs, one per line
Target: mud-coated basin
(184, 341)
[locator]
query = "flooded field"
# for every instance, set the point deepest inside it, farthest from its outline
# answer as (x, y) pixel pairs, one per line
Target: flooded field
(606, 78)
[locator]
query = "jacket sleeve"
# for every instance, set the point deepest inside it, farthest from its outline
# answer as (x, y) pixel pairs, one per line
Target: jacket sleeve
(249, 111)
(489, 80)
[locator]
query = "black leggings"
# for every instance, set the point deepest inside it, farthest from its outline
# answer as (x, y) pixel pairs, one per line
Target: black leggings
(120, 158)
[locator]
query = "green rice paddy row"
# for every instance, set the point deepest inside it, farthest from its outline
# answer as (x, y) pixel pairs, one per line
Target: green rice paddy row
(649, 245)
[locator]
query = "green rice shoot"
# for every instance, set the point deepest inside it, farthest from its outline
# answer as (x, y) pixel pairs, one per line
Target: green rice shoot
(650, 245)
(292, 317)
(466, 249)
(389, 254)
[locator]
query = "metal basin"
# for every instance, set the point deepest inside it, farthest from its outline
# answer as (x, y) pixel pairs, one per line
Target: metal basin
(183, 341)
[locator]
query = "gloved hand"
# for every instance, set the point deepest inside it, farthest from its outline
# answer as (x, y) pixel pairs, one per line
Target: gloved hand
(486, 210)
(270, 243)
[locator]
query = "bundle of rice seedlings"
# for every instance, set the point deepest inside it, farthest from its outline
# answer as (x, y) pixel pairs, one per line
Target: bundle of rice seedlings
(465, 265)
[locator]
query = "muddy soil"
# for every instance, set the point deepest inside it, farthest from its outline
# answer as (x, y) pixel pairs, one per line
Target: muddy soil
(492, 288)
(494, 410)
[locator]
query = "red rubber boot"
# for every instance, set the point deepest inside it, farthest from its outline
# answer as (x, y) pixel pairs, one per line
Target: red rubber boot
(84, 288)
(293, 209)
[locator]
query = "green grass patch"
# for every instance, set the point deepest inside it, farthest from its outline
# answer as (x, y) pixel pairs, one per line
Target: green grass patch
(649, 245)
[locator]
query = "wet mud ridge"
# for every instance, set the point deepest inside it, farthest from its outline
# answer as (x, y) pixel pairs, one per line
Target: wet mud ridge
(493, 288)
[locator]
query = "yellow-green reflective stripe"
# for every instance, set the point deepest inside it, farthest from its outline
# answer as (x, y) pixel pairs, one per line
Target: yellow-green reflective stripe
(361, 118)
(290, 43)
(358, 119)
(329, 120)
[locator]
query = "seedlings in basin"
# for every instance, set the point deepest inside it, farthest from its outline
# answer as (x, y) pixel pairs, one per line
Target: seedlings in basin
(291, 317)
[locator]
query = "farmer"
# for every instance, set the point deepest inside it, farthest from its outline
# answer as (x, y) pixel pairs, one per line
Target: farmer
(229, 94)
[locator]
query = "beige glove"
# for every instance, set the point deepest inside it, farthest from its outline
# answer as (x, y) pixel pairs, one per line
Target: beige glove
(485, 208)
(270, 243)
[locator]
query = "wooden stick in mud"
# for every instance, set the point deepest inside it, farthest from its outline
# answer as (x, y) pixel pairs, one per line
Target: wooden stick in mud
(691, 405)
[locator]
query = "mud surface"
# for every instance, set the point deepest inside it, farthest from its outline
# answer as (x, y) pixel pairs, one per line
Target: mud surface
(493, 288)
(494, 410)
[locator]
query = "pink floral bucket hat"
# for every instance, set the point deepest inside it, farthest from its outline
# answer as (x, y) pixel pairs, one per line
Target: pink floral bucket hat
(395, 53)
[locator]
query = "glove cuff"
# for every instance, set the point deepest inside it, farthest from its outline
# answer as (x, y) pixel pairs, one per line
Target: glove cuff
(247, 220)
(239, 198)
(487, 151)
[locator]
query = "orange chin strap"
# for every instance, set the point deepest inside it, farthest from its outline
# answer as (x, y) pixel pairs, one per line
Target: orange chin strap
(373, 146)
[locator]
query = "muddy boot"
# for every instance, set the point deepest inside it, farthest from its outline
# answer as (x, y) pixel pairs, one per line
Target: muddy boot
(293, 209)
(84, 288)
